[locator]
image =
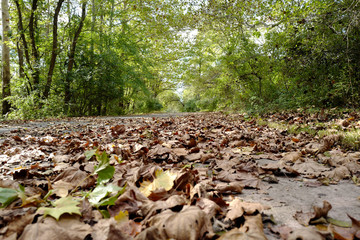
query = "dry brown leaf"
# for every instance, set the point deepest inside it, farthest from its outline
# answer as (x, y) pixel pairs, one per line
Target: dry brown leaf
(229, 187)
(180, 152)
(306, 218)
(283, 231)
(132, 200)
(109, 229)
(191, 223)
(292, 156)
(309, 168)
(208, 206)
(19, 222)
(305, 234)
(337, 174)
(251, 230)
(238, 208)
(75, 177)
(244, 178)
(68, 227)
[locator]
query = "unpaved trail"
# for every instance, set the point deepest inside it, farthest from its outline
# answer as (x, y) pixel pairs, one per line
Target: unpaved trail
(272, 167)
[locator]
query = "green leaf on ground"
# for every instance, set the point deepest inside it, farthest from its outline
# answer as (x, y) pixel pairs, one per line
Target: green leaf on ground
(104, 170)
(89, 154)
(99, 196)
(61, 206)
(339, 223)
(7, 196)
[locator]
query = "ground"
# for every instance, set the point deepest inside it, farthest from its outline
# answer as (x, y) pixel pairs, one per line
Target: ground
(182, 176)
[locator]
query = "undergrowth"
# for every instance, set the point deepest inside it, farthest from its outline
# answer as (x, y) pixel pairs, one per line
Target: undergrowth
(349, 138)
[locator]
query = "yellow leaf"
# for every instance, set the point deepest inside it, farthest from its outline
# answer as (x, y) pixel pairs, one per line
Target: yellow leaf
(122, 216)
(162, 180)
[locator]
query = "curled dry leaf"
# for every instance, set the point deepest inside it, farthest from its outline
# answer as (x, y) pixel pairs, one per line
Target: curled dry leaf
(229, 187)
(208, 206)
(306, 218)
(150, 207)
(337, 174)
(190, 223)
(251, 230)
(306, 234)
(131, 201)
(238, 208)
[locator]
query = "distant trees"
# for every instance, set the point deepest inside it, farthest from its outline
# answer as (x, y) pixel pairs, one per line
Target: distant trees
(272, 54)
(75, 57)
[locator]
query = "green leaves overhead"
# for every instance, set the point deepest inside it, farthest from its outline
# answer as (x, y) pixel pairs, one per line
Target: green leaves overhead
(61, 206)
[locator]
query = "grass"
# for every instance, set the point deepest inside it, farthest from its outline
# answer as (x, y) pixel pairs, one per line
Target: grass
(349, 138)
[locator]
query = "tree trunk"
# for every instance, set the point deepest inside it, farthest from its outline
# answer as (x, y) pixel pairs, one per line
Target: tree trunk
(72, 58)
(5, 56)
(54, 51)
(35, 53)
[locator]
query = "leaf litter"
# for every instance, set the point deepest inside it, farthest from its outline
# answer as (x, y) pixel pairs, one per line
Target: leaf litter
(196, 176)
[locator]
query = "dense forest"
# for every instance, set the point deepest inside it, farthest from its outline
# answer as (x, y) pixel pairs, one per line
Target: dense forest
(73, 57)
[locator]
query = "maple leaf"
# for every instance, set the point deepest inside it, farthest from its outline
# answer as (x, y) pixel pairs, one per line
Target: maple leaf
(61, 206)
(162, 180)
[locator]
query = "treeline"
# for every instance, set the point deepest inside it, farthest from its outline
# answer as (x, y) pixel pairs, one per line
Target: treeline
(268, 55)
(73, 57)
(97, 57)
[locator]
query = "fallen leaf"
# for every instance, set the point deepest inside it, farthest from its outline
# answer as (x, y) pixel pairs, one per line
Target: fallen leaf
(162, 180)
(66, 228)
(238, 208)
(105, 195)
(190, 223)
(61, 206)
(306, 234)
(7, 196)
(251, 230)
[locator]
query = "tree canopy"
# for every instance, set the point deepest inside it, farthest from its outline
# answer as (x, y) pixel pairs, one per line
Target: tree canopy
(72, 57)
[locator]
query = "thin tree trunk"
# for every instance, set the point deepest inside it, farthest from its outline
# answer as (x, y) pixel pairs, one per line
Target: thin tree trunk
(5, 56)
(72, 58)
(54, 52)
(22, 34)
(35, 53)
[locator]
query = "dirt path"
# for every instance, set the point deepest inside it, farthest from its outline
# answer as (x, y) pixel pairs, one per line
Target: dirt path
(256, 163)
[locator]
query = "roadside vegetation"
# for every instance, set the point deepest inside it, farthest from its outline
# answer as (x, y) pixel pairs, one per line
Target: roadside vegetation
(87, 58)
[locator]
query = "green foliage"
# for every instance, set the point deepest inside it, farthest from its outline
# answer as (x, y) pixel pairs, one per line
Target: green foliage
(256, 55)
(105, 195)
(103, 170)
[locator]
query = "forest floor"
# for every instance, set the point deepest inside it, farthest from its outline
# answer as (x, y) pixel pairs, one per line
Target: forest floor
(182, 176)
